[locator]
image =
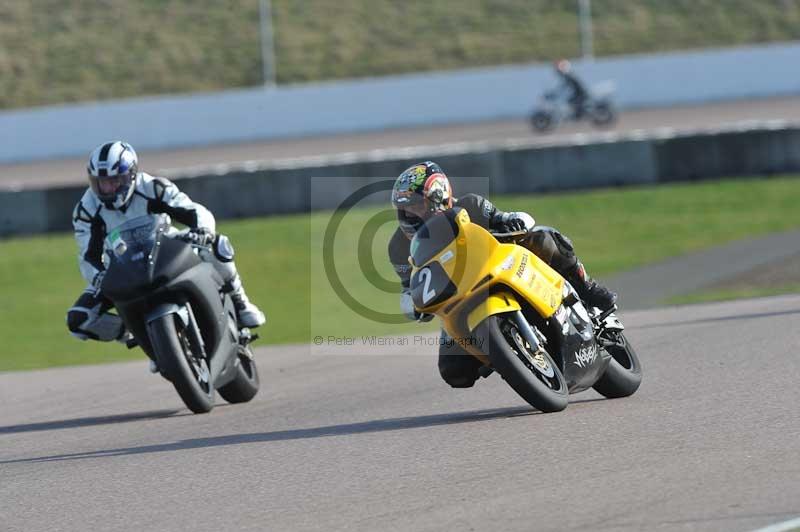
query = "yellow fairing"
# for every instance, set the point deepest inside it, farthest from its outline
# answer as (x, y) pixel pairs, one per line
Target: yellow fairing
(477, 263)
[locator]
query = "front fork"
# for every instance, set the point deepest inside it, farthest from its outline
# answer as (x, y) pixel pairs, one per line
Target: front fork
(193, 330)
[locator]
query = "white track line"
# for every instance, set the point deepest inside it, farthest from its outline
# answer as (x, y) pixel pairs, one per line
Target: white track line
(786, 526)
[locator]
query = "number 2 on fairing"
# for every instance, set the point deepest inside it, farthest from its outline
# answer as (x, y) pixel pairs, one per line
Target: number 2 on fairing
(427, 292)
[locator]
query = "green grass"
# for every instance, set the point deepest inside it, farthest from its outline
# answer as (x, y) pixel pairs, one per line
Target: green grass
(613, 230)
(54, 51)
(734, 293)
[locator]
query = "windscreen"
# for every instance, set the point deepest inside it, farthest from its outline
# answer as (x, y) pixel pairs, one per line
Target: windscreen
(133, 241)
(435, 235)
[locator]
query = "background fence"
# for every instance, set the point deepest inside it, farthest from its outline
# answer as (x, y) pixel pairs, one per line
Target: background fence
(513, 167)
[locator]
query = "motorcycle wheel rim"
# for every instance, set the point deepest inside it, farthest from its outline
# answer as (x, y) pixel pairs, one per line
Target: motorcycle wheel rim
(540, 364)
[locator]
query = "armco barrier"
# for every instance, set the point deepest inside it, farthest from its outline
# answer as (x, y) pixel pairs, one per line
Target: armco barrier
(603, 160)
(619, 162)
(25, 212)
(730, 153)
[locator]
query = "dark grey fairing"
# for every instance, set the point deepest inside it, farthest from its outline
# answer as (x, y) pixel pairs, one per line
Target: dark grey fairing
(572, 345)
(172, 273)
(583, 360)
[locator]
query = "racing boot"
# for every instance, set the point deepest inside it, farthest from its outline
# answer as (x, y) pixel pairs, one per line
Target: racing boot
(248, 314)
(590, 291)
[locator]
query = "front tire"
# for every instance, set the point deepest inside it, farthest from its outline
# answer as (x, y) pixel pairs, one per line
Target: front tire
(188, 374)
(624, 373)
(246, 383)
(535, 377)
(542, 121)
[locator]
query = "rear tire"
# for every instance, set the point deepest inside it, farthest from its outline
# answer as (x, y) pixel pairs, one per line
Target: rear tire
(548, 394)
(245, 386)
(172, 361)
(624, 373)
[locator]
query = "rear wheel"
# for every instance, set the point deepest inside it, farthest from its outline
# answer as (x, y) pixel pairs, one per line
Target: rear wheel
(624, 373)
(533, 375)
(245, 386)
(188, 373)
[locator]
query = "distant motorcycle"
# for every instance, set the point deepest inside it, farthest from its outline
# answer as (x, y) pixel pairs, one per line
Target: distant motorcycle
(553, 109)
(173, 303)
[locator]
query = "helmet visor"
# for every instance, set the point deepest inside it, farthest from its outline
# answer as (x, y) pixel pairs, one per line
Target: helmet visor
(416, 210)
(107, 188)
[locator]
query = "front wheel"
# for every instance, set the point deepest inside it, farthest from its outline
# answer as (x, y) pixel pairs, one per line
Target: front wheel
(542, 121)
(188, 373)
(624, 373)
(246, 383)
(533, 375)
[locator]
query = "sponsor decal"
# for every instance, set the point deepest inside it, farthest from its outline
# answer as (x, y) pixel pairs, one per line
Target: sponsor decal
(522, 265)
(508, 263)
(446, 256)
(586, 355)
(417, 176)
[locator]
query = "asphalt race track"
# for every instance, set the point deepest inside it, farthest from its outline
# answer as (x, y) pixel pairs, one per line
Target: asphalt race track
(47, 173)
(350, 441)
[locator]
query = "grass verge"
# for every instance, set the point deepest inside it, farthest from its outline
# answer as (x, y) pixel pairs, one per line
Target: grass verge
(51, 52)
(613, 230)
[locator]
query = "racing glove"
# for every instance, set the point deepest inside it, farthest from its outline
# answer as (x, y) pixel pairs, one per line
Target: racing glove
(407, 307)
(516, 221)
(200, 236)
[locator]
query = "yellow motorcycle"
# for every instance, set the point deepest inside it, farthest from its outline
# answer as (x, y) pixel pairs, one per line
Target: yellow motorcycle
(506, 307)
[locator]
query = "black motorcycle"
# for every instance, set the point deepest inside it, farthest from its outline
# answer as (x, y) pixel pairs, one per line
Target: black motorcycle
(555, 108)
(173, 304)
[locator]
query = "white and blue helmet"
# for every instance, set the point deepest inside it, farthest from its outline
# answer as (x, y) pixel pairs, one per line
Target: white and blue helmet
(112, 168)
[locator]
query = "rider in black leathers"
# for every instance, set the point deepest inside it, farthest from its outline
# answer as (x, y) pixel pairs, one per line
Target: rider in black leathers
(578, 95)
(422, 191)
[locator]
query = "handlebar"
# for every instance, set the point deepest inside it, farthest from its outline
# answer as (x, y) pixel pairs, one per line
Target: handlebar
(184, 236)
(508, 234)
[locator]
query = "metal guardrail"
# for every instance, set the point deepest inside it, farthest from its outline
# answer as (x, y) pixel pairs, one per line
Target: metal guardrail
(586, 161)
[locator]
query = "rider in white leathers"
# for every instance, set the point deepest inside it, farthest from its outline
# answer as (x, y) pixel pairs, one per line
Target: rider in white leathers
(118, 193)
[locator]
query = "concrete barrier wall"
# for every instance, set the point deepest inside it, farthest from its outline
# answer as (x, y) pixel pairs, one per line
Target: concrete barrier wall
(324, 182)
(396, 101)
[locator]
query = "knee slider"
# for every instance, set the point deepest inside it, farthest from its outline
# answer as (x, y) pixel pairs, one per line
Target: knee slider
(75, 319)
(460, 382)
(223, 250)
(457, 378)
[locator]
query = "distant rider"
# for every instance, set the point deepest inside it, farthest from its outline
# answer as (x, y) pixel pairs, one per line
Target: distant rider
(577, 93)
(422, 191)
(117, 193)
